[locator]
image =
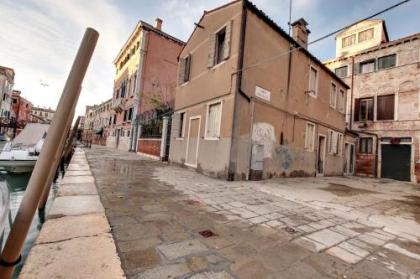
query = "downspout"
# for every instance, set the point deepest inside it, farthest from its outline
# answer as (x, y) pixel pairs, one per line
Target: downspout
(235, 127)
(351, 93)
(137, 89)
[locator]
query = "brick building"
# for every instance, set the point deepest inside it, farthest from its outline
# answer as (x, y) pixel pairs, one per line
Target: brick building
(145, 79)
(20, 111)
(244, 112)
(41, 115)
(383, 106)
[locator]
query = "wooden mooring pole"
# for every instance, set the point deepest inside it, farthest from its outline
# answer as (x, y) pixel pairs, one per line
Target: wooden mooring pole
(11, 253)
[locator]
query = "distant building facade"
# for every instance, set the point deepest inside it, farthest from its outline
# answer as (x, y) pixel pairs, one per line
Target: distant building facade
(145, 81)
(20, 111)
(41, 115)
(96, 122)
(383, 106)
(240, 115)
(7, 77)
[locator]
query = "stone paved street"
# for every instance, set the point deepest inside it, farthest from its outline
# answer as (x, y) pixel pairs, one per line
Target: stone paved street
(332, 227)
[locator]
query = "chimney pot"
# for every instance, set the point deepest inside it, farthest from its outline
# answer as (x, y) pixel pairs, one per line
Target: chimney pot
(300, 32)
(158, 23)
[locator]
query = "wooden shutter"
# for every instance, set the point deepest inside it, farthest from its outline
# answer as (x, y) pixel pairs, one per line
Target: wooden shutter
(181, 73)
(370, 106)
(175, 124)
(385, 108)
(356, 109)
(356, 69)
(212, 50)
(228, 34)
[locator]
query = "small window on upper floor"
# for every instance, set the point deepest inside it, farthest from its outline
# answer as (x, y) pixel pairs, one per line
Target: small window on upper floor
(367, 67)
(333, 95)
(219, 44)
(341, 71)
(348, 41)
(313, 81)
(366, 35)
(386, 62)
(341, 101)
(184, 69)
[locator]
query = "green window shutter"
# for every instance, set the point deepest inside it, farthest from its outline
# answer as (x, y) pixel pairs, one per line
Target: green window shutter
(228, 34)
(212, 50)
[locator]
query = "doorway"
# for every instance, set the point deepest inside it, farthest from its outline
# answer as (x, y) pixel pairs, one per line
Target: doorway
(396, 161)
(193, 141)
(117, 141)
(320, 158)
(349, 159)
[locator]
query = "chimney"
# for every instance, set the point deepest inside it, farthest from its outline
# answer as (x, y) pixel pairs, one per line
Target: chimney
(158, 23)
(300, 32)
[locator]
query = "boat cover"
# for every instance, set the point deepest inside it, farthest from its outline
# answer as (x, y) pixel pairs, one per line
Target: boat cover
(30, 135)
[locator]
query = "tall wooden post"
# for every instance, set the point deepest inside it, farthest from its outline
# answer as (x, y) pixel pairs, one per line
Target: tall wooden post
(11, 253)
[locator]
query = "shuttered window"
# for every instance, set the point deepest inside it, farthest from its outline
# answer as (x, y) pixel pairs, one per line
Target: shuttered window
(313, 81)
(219, 45)
(341, 71)
(367, 67)
(386, 62)
(309, 136)
(333, 95)
(181, 125)
(363, 109)
(366, 35)
(348, 41)
(341, 101)
(184, 69)
(366, 145)
(214, 114)
(385, 107)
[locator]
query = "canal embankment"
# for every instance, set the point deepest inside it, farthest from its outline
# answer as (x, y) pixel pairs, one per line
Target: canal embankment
(76, 240)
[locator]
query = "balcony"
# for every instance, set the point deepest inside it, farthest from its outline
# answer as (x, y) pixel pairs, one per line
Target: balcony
(118, 104)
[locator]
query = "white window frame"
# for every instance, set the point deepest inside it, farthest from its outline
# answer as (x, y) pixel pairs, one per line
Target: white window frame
(333, 103)
(207, 120)
(340, 140)
(312, 147)
(311, 93)
(182, 126)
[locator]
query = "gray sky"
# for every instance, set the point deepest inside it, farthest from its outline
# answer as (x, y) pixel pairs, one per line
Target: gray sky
(39, 38)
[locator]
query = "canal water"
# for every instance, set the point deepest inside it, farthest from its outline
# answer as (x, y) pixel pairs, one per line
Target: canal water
(17, 185)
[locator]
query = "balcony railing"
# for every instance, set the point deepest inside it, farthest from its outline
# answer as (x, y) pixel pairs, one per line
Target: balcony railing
(118, 104)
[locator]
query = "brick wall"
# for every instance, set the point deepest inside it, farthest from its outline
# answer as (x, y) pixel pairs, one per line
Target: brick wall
(149, 146)
(365, 164)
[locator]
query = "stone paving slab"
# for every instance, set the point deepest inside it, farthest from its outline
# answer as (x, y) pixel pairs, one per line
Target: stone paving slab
(83, 257)
(77, 180)
(75, 205)
(77, 189)
(78, 173)
(69, 227)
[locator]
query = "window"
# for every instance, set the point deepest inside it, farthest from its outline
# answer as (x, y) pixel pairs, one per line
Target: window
(313, 81)
(220, 45)
(342, 101)
(184, 70)
(366, 145)
(363, 109)
(341, 71)
(309, 136)
(128, 133)
(130, 114)
(333, 95)
(367, 67)
(348, 41)
(214, 113)
(366, 35)
(385, 108)
(181, 125)
(335, 142)
(386, 62)
(340, 144)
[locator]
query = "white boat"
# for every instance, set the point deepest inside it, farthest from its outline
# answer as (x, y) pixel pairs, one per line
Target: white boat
(21, 154)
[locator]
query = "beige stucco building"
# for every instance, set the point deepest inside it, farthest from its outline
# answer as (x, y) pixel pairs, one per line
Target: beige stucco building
(253, 103)
(384, 100)
(96, 122)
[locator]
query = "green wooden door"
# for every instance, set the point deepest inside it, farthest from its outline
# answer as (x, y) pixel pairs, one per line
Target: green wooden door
(396, 161)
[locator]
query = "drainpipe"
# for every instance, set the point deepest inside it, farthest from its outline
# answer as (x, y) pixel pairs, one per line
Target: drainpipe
(351, 93)
(137, 89)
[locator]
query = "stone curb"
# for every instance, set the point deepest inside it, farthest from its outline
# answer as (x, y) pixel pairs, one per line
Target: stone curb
(76, 240)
